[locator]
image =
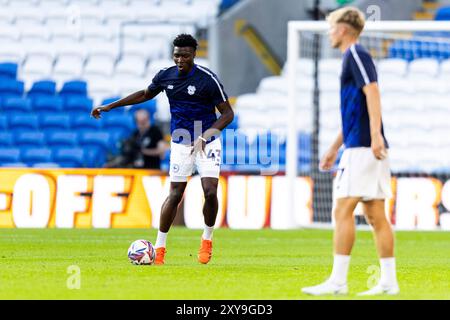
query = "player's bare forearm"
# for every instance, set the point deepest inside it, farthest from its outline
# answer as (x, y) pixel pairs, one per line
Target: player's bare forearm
(373, 107)
(134, 98)
(337, 142)
(226, 117)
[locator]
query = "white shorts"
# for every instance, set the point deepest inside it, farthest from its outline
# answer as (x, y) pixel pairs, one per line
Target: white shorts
(182, 163)
(360, 174)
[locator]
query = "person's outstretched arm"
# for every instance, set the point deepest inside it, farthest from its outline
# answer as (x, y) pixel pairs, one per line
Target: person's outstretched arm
(134, 98)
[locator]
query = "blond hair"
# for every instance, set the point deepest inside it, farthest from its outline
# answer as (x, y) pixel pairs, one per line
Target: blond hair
(349, 15)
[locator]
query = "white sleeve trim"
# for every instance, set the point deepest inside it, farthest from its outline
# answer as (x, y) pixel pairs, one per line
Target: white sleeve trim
(217, 82)
(360, 65)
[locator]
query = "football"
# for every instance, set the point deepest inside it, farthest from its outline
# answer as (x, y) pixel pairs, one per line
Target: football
(141, 252)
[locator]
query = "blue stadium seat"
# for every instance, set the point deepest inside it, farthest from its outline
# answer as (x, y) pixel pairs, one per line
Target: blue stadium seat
(117, 136)
(149, 105)
(62, 139)
(118, 122)
(74, 89)
(304, 151)
(54, 121)
(78, 104)
(435, 34)
(16, 105)
(304, 141)
(46, 165)
(69, 157)
(401, 49)
(11, 88)
(6, 139)
(44, 88)
(75, 114)
(85, 122)
(94, 156)
(282, 154)
(9, 155)
(442, 13)
(100, 139)
(110, 100)
(8, 70)
(23, 122)
(13, 165)
(30, 138)
(36, 155)
(47, 104)
(165, 162)
(416, 48)
(3, 122)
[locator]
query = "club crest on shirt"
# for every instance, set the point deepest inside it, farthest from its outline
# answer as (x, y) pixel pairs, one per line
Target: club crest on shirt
(146, 142)
(170, 87)
(191, 90)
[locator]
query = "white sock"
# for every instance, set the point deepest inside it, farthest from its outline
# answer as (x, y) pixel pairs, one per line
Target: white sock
(340, 269)
(207, 233)
(161, 239)
(388, 275)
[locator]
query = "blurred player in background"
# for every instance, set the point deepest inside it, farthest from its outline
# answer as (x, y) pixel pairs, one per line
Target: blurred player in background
(194, 93)
(363, 172)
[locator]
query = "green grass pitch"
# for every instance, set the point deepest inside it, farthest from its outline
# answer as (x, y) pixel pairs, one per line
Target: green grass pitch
(262, 264)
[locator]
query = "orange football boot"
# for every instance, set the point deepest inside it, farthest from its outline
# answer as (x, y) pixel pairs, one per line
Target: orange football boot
(160, 253)
(205, 252)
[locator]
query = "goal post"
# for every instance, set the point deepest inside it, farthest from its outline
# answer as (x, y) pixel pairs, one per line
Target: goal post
(295, 45)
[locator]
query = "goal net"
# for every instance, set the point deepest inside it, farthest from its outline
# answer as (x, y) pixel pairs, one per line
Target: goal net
(413, 64)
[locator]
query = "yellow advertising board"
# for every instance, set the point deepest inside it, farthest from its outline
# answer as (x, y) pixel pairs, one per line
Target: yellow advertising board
(81, 198)
(132, 198)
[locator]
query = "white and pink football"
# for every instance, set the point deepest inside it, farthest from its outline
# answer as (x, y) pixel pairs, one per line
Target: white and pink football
(141, 252)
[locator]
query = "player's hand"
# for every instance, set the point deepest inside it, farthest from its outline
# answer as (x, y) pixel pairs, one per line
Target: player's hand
(96, 111)
(199, 146)
(378, 148)
(328, 160)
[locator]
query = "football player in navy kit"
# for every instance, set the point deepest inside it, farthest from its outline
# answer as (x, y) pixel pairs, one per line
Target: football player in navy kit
(364, 173)
(194, 93)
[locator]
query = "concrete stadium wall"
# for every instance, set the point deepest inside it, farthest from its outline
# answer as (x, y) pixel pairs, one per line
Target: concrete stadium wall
(390, 9)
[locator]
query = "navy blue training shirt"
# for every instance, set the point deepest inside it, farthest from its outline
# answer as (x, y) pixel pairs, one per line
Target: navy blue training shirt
(192, 98)
(358, 70)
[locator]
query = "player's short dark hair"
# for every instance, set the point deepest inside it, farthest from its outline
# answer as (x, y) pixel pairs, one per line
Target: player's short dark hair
(185, 40)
